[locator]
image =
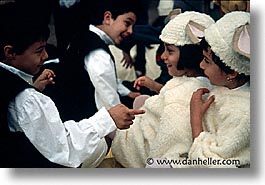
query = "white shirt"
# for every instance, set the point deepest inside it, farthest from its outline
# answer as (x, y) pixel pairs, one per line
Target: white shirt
(101, 70)
(69, 143)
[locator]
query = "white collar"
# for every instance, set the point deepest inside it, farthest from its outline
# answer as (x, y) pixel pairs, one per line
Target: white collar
(101, 34)
(242, 87)
(21, 74)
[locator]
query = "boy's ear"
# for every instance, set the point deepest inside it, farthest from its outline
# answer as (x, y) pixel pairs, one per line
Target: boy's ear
(107, 17)
(9, 52)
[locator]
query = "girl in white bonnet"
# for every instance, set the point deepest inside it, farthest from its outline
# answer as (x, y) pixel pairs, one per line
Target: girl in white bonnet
(164, 130)
(221, 125)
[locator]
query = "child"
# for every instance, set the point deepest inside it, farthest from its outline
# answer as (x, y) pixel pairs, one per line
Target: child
(221, 125)
(164, 130)
(32, 133)
(116, 24)
(87, 76)
(150, 35)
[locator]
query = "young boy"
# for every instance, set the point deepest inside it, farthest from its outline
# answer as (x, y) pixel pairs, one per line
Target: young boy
(32, 133)
(87, 75)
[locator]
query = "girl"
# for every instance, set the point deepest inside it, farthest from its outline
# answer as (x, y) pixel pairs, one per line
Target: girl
(221, 125)
(160, 132)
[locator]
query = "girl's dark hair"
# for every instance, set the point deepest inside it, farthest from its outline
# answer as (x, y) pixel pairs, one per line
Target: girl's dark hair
(19, 31)
(204, 45)
(190, 57)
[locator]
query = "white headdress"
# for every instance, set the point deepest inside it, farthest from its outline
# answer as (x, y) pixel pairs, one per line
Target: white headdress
(186, 28)
(229, 39)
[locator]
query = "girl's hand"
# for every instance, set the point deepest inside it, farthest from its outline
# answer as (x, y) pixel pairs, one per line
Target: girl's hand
(133, 95)
(147, 82)
(198, 107)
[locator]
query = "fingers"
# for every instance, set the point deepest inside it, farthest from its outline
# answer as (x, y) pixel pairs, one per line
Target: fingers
(129, 122)
(144, 81)
(133, 112)
(136, 85)
(210, 101)
(51, 81)
(49, 73)
(122, 60)
(47, 81)
(198, 100)
(131, 116)
(123, 116)
(202, 91)
(129, 65)
(126, 64)
(127, 60)
(139, 82)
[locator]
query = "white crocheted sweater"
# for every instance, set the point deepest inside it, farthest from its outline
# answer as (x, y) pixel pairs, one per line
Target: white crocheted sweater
(164, 130)
(226, 135)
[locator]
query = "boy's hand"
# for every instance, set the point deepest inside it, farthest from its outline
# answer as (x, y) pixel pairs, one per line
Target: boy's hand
(127, 60)
(46, 77)
(123, 116)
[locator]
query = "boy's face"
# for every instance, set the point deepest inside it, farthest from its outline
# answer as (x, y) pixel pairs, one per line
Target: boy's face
(31, 60)
(121, 27)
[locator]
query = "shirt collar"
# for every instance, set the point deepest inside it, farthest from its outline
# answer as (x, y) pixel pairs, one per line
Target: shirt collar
(243, 87)
(21, 74)
(101, 34)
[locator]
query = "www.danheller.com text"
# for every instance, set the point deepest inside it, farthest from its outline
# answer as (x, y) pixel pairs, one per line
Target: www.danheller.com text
(192, 162)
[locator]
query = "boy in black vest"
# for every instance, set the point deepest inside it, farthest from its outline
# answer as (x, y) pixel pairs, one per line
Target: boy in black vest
(86, 75)
(32, 133)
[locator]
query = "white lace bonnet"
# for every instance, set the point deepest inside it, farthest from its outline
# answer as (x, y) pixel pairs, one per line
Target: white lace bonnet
(186, 28)
(229, 39)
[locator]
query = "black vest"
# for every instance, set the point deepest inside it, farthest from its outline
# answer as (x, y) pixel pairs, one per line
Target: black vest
(73, 91)
(16, 151)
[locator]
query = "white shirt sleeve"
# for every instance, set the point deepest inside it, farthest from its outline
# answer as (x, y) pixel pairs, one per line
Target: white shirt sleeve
(124, 91)
(101, 70)
(69, 143)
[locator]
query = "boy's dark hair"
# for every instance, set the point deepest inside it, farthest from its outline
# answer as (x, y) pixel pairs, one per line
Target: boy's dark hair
(190, 57)
(116, 7)
(19, 31)
(204, 46)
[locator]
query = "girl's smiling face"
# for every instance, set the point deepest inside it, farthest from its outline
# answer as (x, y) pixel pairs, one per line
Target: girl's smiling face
(212, 70)
(171, 56)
